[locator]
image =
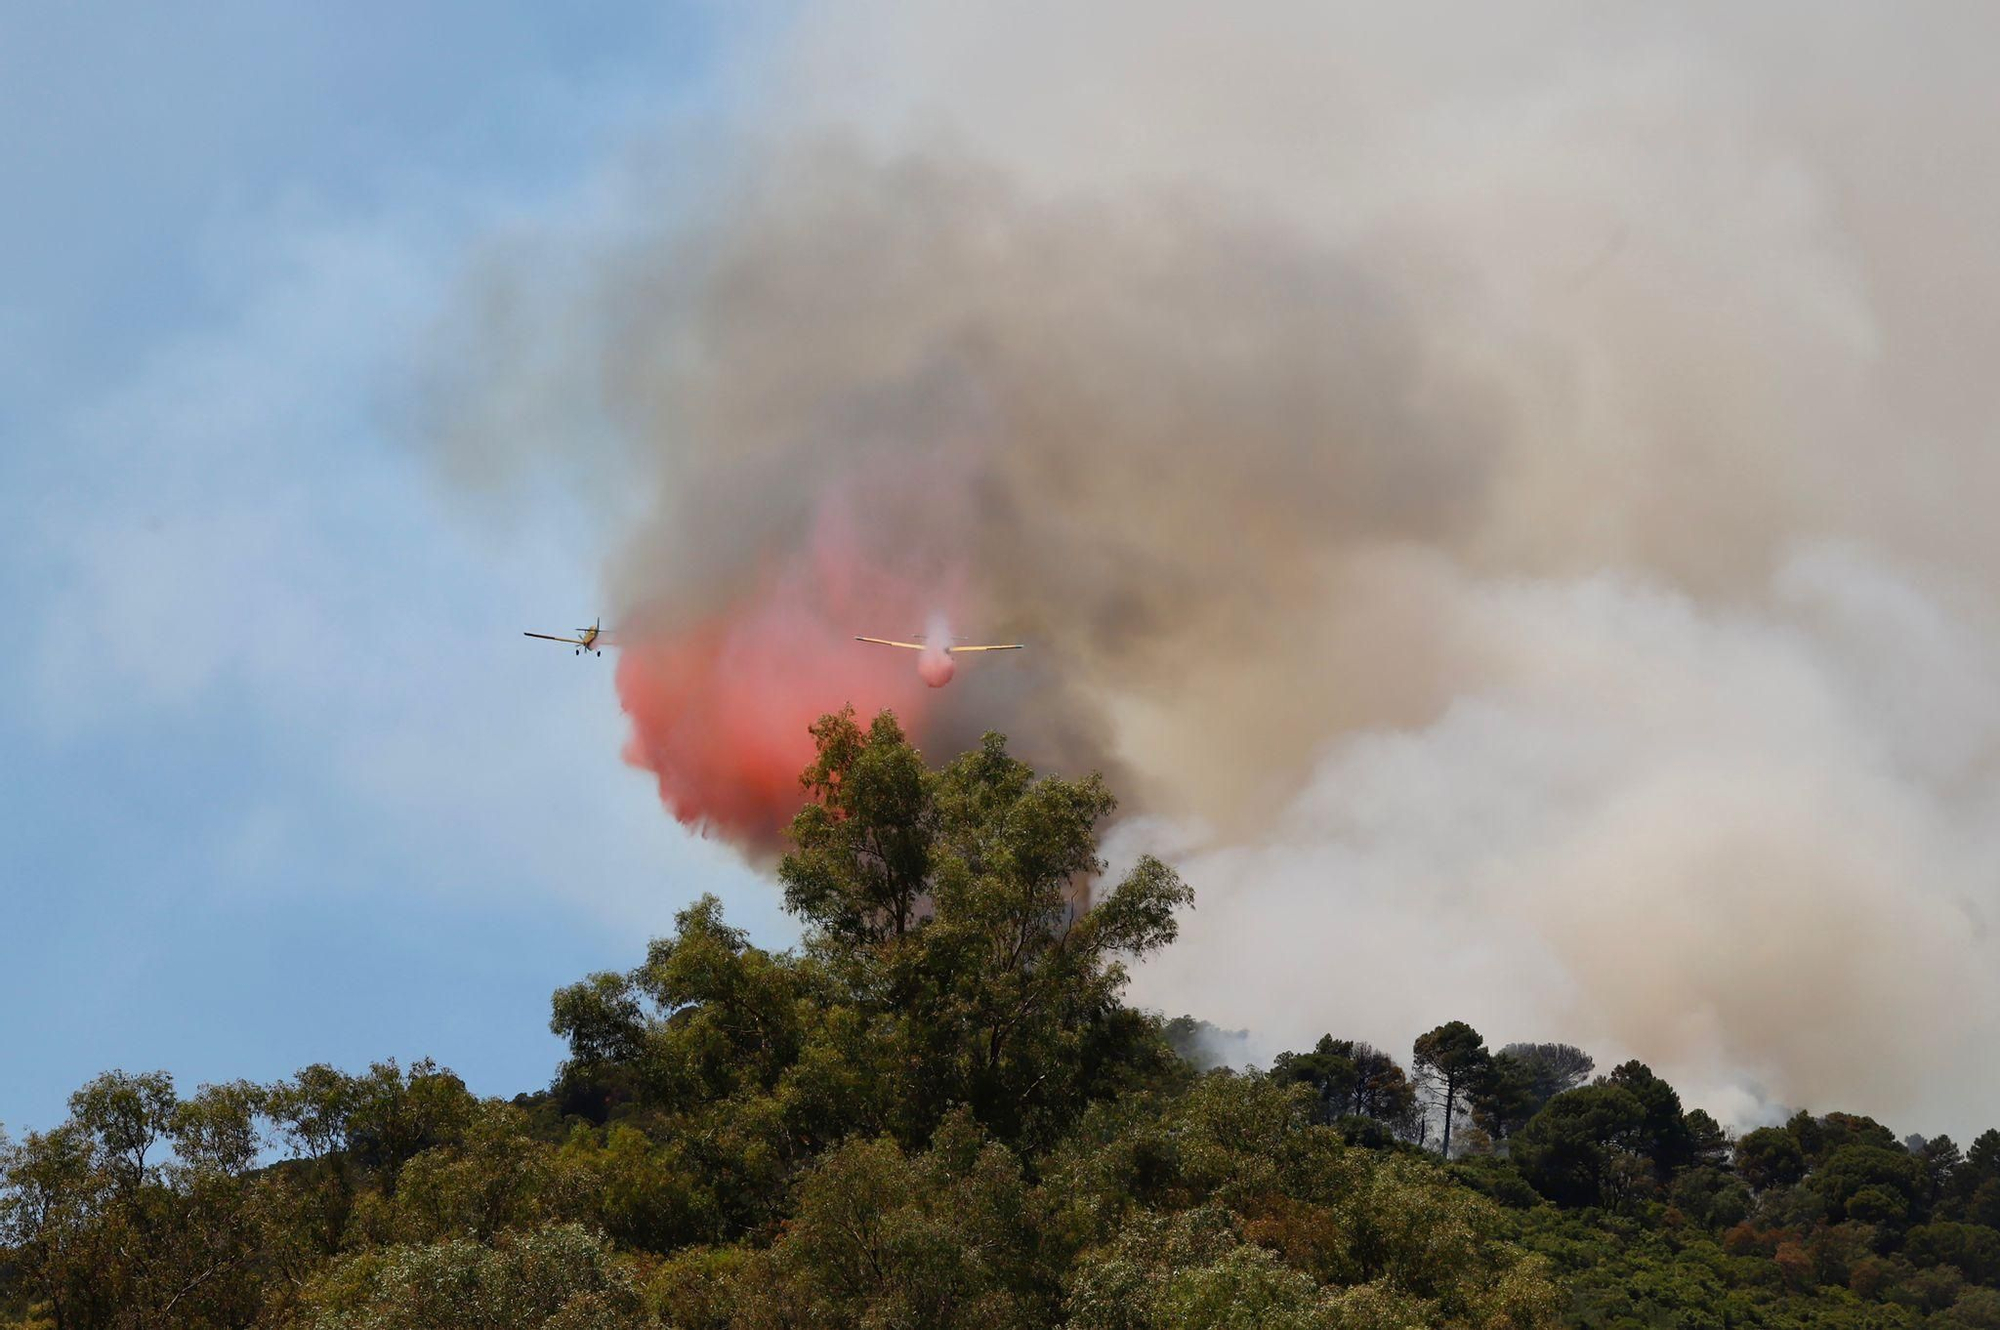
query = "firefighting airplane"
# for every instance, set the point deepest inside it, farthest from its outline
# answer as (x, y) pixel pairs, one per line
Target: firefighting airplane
(935, 665)
(586, 639)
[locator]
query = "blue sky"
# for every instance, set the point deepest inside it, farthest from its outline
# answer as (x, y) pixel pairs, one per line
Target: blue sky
(281, 782)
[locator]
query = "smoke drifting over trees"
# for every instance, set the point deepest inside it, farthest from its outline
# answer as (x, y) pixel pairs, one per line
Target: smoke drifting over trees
(1505, 492)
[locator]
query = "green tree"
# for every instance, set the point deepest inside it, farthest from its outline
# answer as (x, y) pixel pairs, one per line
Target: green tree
(128, 1115)
(218, 1130)
(1975, 1309)
(1571, 1150)
(943, 1239)
(1708, 1144)
(1239, 1166)
(559, 1278)
(1379, 1091)
(1973, 1249)
(311, 1113)
(1710, 1197)
(1331, 1076)
(1553, 1068)
(1850, 1170)
(51, 1192)
(1193, 1270)
(959, 896)
(1939, 1159)
(1449, 1060)
(496, 1176)
(138, 1210)
(862, 852)
(311, 1110)
(394, 1115)
(1664, 1135)
(1769, 1157)
(1505, 1097)
(1975, 1183)
(1821, 1136)
(601, 1018)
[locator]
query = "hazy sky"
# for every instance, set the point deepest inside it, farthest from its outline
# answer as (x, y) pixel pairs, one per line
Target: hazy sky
(281, 781)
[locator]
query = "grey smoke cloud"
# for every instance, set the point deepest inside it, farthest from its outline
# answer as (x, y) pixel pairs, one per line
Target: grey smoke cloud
(1503, 490)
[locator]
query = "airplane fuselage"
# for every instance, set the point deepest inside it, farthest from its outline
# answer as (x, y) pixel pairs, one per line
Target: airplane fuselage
(589, 640)
(935, 666)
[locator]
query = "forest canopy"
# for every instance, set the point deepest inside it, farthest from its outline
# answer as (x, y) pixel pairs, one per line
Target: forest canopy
(939, 1110)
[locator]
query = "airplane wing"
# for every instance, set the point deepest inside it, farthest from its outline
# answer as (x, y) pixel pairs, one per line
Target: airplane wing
(885, 642)
(548, 637)
(1004, 646)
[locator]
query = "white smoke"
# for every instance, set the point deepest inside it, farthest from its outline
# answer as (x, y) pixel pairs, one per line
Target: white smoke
(1509, 483)
(1754, 849)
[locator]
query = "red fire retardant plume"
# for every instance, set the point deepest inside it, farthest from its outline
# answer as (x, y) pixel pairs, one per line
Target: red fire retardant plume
(720, 710)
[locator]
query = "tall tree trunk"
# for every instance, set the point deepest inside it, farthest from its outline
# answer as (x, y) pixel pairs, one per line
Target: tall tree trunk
(1450, 1089)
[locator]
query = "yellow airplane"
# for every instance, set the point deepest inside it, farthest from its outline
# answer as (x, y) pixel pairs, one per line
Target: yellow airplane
(934, 663)
(586, 639)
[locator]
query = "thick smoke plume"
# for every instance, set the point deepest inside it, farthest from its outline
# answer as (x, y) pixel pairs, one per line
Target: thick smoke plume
(1505, 492)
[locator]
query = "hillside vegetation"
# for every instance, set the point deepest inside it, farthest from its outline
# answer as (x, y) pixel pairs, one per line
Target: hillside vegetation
(939, 1112)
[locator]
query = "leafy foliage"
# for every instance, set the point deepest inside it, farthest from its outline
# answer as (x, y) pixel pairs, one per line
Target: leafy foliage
(939, 1112)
